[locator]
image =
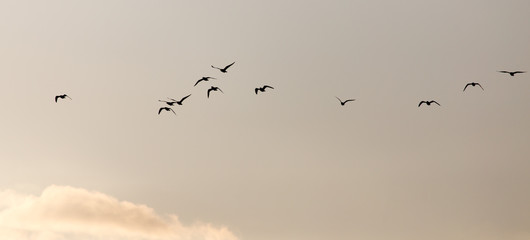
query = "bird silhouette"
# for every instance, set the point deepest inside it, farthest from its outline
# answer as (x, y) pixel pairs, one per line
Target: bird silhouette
(262, 89)
(223, 70)
(173, 101)
(473, 84)
(428, 103)
(62, 97)
(203, 79)
(213, 89)
(512, 73)
(170, 103)
(165, 109)
(342, 103)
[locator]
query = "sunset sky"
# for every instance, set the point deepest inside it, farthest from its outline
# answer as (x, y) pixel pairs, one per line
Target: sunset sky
(289, 163)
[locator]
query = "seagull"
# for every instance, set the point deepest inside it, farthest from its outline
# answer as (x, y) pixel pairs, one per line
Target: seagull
(342, 103)
(203, 79)
(62, 97)
(173, 101)
(473, 84)
(428, 103)
(170, 103)
(213, 89)
(262, 89)
(223, 70)
(166, 109)
(512, 73)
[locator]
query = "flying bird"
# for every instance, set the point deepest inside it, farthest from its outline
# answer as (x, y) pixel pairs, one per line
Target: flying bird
(223, 70)
(173, 101)
(165, 109)
(473, 84)
(203, 79)
(342, 103)
(170, 103)
(62, 97)
(428, 103)
(213, 89)
(512, 73)
(262, 89)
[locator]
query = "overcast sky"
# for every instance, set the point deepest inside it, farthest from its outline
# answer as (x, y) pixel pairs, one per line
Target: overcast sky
(289, 163)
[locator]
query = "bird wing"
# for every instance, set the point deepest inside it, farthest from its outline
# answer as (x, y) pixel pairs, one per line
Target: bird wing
(466, 86)
(267, 86)
(349, 100)
(56, 97)
(503, 71)
(229, 66)
(480, 86)
(436, 103)
(208, 93)
(256, 90)
(211, 78)
(421, 103)
(68, 96)
(184, 98)
(220, 90)
(200, 80)
(162, 101)
(339, 99)
(518, 72)
(215, 67)
(172, 111)
(160, 110)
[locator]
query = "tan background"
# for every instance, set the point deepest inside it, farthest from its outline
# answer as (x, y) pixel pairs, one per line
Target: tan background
(291, 163)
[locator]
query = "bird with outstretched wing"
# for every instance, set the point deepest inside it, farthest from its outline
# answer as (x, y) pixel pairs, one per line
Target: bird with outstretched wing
(344, 102)
(223, 70)
(213, 89)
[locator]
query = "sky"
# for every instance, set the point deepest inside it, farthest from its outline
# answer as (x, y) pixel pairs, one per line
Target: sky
(289, 163)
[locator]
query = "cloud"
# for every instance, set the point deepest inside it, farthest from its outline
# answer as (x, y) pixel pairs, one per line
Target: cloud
(62, 212)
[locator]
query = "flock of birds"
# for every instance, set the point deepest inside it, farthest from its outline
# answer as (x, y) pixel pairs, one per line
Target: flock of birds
(472, 84)
(172, 101)
(203, 79)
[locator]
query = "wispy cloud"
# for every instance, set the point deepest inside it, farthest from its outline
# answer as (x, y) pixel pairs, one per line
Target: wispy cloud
(62, 212)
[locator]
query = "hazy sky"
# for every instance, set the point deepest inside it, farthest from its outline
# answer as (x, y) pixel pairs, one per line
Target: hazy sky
(290, 163)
